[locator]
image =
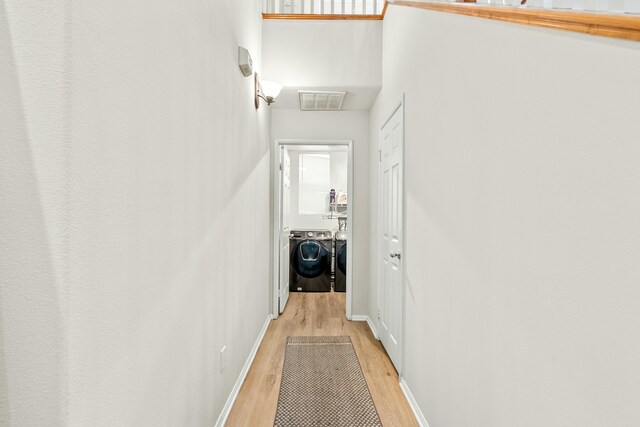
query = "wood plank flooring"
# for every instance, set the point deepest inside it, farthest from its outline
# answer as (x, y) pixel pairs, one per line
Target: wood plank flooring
(317, 314)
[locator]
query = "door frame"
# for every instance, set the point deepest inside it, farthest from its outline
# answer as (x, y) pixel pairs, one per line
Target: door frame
(277, 216)
(396, 107)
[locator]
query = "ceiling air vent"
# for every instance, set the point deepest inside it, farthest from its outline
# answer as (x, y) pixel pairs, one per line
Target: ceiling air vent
(316, 100)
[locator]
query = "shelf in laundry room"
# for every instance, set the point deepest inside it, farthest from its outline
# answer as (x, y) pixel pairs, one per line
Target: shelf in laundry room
(337, 207)
(335, 215)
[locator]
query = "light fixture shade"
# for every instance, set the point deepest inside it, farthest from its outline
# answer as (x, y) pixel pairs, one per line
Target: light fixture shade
(270, 89)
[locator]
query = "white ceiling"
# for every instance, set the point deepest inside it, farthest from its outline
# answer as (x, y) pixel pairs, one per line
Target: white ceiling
(358, 98)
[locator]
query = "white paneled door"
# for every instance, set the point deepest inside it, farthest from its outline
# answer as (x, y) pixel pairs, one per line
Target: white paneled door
(391, 236)
(285, 173)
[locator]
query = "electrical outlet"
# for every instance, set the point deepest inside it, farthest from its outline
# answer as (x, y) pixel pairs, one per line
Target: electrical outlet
(222, 358)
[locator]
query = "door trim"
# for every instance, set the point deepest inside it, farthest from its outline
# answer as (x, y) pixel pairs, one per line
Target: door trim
(397, 106)
(277, 216)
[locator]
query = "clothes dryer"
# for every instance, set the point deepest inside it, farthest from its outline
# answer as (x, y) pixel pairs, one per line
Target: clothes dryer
(340, 262)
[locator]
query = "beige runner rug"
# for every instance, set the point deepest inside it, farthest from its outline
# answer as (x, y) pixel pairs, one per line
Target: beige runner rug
(323, 385)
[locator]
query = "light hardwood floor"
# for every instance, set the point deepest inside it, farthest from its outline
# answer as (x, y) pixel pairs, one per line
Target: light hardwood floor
(317, 314)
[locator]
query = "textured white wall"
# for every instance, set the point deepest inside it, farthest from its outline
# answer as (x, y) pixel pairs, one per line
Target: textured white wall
(33, 226)
(135, 175)
(354, 125)
(523, 238)
(323, 53)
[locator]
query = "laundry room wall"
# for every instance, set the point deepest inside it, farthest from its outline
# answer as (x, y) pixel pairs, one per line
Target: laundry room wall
(132, 163)
(523, 199)
(338, 179)
(342, 125)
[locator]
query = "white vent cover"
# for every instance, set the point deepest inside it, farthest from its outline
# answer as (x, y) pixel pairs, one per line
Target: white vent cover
(318, 100)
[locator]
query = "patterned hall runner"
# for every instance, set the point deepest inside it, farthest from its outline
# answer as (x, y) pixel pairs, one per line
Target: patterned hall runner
(323, 385)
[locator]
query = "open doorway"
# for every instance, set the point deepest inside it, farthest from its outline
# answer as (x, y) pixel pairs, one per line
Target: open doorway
(313, 215)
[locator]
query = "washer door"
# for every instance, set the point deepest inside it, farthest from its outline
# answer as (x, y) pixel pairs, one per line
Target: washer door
(341, 259)
(310, 259)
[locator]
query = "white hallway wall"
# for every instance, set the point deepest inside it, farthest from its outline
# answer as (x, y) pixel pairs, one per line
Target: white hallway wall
(354, 125)
(33, 213)
(131, 160)
(523, 239)
(323, 53)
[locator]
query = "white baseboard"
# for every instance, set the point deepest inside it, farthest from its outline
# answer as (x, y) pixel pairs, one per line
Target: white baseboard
(365, 318)
(373, 328)
(414, 405)
(245, 369)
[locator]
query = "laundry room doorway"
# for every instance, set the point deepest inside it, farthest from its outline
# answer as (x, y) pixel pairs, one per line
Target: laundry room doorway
(313, 216)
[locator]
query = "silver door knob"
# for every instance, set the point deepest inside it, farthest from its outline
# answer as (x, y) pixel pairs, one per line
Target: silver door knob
(395, 255)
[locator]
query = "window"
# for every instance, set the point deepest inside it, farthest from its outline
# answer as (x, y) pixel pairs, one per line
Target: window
(315, 182)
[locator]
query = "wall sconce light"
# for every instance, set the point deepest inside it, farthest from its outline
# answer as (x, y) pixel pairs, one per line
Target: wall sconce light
(266, 90)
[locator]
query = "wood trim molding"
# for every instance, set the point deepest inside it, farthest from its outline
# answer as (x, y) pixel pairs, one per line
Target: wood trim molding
(600, 24)
(327, 17)
(384, 9)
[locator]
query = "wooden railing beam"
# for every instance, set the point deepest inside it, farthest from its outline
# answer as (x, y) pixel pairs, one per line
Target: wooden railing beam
(309, 17)
(596, 23)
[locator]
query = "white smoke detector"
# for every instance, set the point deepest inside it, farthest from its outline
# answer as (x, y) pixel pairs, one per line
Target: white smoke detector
(320, 100)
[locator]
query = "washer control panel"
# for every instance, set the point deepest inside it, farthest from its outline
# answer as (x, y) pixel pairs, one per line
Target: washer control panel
(310, 234)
